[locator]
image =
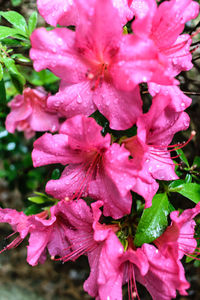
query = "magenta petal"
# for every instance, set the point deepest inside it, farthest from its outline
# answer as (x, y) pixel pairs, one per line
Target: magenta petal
(137, 258)
(146, 189)
(55, 50)
(170, 20)
(73, 181)
(37, 243)
(179, 55)
(59, 12)
(179, 236)
(165, 275)
(121, 108)
(139, 61)
(29, 113)
(144, 11)
(161, 122)
(18, 220)
(105, 280)
(90, 285)
(84, 134)
(114, 182)
(94, 31)
(19, 111)
(74, 99)
(110, 278)
(52, 149)
(161, 165)
(178, 99)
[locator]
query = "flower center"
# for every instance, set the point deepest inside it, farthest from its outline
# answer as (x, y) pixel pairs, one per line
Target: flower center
(89, 168)
(97, 76)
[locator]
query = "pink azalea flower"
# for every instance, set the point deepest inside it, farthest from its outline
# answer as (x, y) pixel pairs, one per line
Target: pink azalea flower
(165, 275)
(45, 233)
(98, 241)
(178, 239)
(62, 12)
(179, 100)
(150, 147)
(116, 270)
(29, 113)
(99, 67)
(163, 25)
(66, 12)
(95, 167)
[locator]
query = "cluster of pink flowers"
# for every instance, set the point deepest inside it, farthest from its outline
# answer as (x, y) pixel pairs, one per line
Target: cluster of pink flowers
(100, 69)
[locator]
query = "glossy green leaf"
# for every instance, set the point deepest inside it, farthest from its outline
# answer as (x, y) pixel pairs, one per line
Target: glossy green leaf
(55, 174)
(21, 58)
(7, 31)
(2, 94)
(16, 20)
(153, 221)
(188, 178)
(38, 78)
(1, 72)
(32, 210)
(176, 185)
(32, 22)
(188, 190)
(191, 191)
(37, 199)
(182, 157)
(17, 79)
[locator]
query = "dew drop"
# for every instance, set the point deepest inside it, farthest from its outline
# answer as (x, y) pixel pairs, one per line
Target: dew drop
(79, 99)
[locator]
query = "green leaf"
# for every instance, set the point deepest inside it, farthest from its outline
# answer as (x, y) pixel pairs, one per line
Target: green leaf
(32, 22)
(191, 191)
(7, 31)
(16, 20)
(1, 72)
(38, 78)
(182, 157)
(153, 221)
(17, 79)
(188, 178)
(188, 190)
(32, 210)
(2, 94)
(176, 185)
(55, 174)
(21, 58)
(16, 2)
(37, 199)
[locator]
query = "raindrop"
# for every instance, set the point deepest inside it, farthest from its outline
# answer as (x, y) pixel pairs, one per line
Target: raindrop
(183, 104)
(79, 99)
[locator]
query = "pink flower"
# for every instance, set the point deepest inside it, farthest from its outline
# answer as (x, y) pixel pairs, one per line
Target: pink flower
(166, 273)
(94, 167)
(163, 25)
(62, 12)
(66, 12)
(178, 99)
(178, 239)
(150, 147)
(100, 68)
(117, 268)
(45, 233)
(98, 241)
(29, 113)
